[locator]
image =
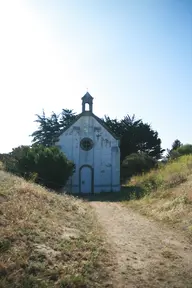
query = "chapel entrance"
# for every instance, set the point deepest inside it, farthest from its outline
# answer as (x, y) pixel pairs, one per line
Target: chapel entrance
(86, 179)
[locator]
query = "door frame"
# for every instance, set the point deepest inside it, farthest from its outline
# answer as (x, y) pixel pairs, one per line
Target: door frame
(92, 177)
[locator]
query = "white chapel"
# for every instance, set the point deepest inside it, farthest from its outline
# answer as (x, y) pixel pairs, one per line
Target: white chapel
(94, 150)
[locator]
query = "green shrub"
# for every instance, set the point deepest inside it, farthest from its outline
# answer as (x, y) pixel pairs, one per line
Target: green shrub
(137, 163)
(185, 149)
(47, 166)
(180, 151)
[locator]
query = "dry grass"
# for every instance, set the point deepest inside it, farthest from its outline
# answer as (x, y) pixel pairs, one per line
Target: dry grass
(168, 194)
(1, 166)
(167, 176)
(48, 240)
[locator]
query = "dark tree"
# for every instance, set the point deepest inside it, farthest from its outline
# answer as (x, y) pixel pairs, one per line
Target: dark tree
(50, 127)
(67, 116)
(176, 144)
(135, 136)
(47, 131)
(173, 152)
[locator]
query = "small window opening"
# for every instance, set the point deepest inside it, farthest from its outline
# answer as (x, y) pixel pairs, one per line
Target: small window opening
(87, 107)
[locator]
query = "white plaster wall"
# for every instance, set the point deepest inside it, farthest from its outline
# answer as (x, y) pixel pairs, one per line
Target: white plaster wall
(104, 157)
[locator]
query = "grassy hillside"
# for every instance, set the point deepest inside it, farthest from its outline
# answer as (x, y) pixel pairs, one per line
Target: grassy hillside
(167, 193)
(48, 240)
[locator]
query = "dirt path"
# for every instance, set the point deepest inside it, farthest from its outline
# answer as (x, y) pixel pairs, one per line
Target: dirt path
(146, 253)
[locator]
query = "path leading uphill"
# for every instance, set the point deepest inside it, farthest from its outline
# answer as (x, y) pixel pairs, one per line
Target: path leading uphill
(146, 254)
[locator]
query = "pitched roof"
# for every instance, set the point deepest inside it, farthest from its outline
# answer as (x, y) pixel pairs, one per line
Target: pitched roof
(87, 96)
(88, 113)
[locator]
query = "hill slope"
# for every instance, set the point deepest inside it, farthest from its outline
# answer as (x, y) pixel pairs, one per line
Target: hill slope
(48, 240)
(168, 194)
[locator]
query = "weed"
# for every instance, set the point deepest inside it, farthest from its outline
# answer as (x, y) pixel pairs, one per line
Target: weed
(5, 245)
(74, 281)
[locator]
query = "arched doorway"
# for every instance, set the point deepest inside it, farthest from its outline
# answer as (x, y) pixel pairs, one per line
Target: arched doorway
(86, 179)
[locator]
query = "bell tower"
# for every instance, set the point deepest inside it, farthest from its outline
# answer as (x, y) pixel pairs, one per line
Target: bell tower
(87, 99)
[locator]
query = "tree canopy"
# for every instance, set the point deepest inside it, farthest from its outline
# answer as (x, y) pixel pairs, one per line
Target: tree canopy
(173, 152)
(176, 144)
(135, 135)
(49, 128)
(178, 149)
(47, 166)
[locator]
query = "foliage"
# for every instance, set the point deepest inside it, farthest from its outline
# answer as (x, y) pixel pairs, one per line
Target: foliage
(137, 163)
(167, 176)
(49, 128)
(4, 157)
(185, 149)
(135, 136)
(45, 165)
(178, 149)
(176, 144)
(173, 152)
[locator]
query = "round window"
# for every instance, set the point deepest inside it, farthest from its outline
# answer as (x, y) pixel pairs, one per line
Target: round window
(86, 144)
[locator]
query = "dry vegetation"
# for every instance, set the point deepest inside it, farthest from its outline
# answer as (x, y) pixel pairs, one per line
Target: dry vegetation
(1, 166)
(168, 193)
(48, 240)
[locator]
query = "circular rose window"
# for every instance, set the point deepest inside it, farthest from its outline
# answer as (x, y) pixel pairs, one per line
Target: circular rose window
(86, 144)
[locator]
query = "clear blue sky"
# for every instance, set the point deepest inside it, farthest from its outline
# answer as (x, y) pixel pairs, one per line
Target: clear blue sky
(134, 56)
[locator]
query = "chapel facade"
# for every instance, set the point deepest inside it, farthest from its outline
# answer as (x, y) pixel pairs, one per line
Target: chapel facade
(94, 150)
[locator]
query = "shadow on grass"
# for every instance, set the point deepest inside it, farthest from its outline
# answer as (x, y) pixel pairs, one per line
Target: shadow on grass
(126, 194)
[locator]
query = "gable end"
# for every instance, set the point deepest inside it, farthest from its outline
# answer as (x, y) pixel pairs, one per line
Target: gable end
(88, 113)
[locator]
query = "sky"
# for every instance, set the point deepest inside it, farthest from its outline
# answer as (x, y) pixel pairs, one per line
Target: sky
(133, 56)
